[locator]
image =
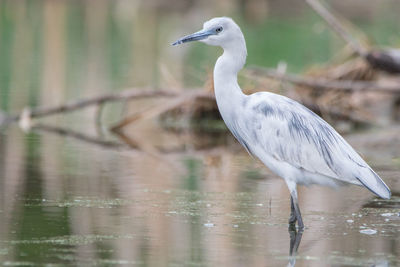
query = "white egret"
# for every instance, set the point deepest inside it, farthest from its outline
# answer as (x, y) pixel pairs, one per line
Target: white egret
(287, 137)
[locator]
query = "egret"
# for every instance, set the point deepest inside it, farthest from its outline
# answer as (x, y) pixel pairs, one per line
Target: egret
(291, 140)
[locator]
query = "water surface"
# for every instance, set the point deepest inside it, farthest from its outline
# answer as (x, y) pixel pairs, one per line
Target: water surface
(69, 201)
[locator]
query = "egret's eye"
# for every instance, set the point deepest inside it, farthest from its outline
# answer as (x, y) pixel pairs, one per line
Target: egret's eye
(218, 30)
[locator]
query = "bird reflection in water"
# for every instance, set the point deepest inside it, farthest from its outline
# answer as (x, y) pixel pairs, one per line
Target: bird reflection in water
(295, 239)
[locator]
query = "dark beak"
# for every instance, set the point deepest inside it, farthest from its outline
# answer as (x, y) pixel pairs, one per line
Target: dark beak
(200, 35)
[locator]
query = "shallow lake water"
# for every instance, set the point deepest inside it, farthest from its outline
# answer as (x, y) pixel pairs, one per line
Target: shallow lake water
(70, 201)
(183, 199)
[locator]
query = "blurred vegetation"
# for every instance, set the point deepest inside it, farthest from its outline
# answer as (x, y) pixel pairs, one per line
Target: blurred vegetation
(276, 40)
(52, 51)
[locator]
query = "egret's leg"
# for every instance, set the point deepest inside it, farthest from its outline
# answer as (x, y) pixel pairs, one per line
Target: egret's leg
(294, 206)
(295, 239)
(292, 218)
(298, 213)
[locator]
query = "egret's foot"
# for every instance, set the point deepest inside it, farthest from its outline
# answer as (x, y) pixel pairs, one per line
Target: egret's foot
(292, 227)
(292, 222)
(295, 239)
(292, 219)
(295, 214)
(300, 225)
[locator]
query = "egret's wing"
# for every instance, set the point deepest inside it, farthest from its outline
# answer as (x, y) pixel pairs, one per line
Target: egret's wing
(290, 132)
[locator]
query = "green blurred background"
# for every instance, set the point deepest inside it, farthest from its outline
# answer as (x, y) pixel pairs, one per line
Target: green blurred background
(52, 51)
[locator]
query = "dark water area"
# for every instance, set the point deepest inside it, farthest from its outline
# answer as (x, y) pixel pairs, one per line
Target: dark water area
(67, 201)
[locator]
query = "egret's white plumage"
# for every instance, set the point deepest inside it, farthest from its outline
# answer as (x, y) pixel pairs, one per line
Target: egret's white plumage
(288, 138)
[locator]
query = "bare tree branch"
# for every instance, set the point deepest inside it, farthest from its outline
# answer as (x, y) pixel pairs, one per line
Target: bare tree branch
(321, 83)
(381, 59)
(337, 26)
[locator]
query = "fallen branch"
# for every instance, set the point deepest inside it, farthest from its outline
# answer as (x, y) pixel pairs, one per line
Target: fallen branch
(183, 97)
(98, 100)
(321, 83)
(157, 110)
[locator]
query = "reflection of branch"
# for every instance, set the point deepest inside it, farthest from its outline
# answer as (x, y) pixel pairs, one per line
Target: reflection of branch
(295, 240)
(127, 143)
(79, 136)
(321, 83)
(337, 26)
(97, 100)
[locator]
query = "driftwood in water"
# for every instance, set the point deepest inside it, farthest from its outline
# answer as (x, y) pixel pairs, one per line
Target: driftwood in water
(154, 111)
(94, 101)
(201, 104)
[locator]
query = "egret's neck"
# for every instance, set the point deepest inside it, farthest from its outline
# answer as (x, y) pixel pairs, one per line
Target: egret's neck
(226, 69)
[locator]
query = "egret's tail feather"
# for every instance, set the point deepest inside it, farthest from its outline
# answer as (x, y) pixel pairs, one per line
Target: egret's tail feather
(375, 184)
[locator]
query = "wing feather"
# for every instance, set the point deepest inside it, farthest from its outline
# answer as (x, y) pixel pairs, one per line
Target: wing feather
(291, 133)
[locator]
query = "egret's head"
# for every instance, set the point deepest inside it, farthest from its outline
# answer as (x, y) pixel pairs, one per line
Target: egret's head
(221, 31)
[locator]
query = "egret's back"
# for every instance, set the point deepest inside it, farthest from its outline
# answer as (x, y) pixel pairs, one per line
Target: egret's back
(281, 131)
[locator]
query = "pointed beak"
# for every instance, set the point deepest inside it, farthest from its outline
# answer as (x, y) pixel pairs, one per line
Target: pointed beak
(200, 35)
